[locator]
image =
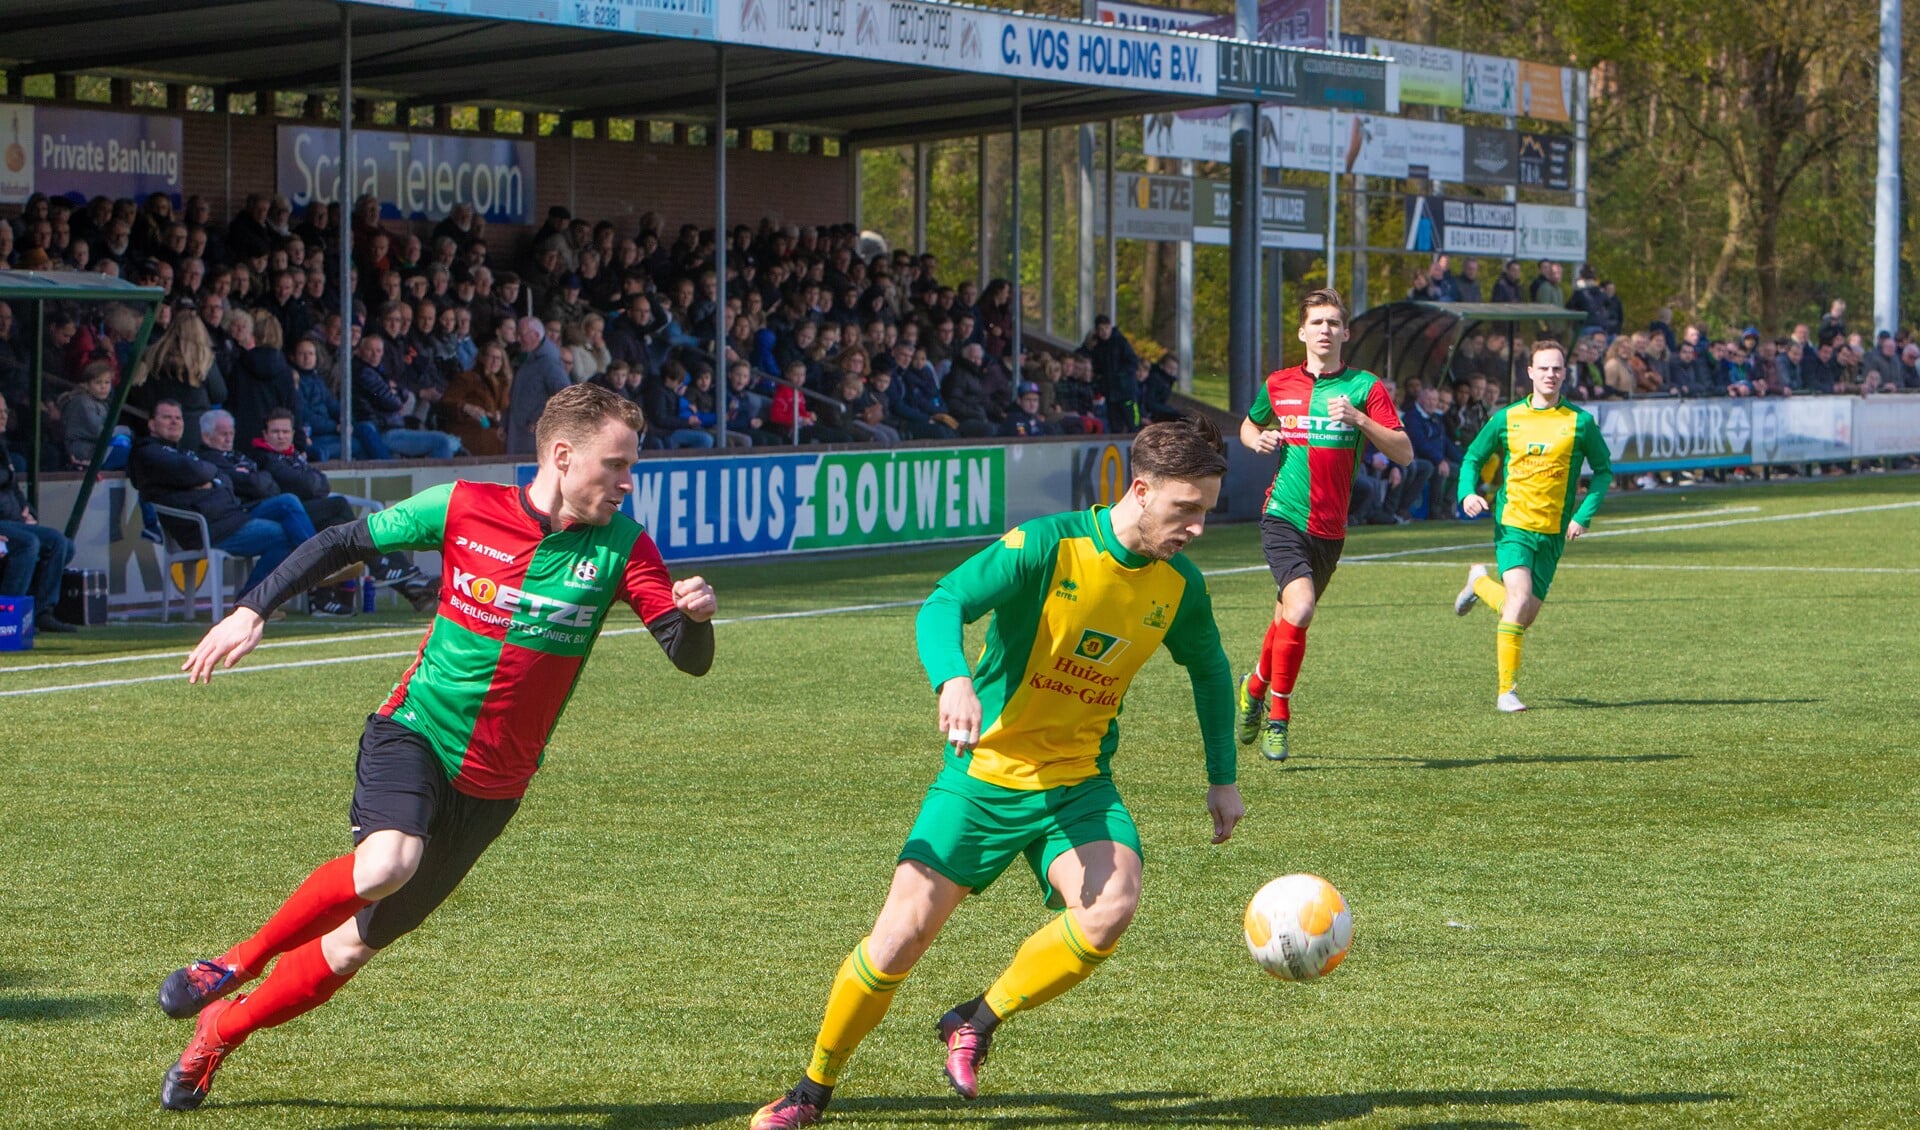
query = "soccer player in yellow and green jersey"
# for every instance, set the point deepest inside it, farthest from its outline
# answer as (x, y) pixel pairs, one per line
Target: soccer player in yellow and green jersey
(1080, 601)
(1541, 442)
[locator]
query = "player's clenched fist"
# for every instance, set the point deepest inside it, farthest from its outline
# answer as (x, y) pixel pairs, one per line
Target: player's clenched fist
(693, 596)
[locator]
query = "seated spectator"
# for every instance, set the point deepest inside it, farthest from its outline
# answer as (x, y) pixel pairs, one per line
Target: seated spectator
(1025, 420)
(475, 408)
(83, 416)
(671, 419)
(747, 410)
(319, 408)
(168, 475)
(32, 557)
(540, 375)
(965, 397)
(381, 410)
(1616, 370)
(1434, 458)
(1374, 482)
(1157, 386)
(866, 413)
(588, 341)
(791, 415)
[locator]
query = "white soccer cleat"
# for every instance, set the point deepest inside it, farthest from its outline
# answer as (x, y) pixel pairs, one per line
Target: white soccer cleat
(1464, 603)
(1509, 703)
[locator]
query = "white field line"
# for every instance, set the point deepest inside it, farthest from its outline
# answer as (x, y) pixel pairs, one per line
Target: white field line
(1685, 514)
(1369, 558)
(308, 641)
(175, 675)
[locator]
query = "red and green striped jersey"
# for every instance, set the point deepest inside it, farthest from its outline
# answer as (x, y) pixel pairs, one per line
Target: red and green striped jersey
(1318, 455)
(520, 606)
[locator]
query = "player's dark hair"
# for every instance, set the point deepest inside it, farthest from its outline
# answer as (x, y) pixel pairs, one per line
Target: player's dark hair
(576, 412)
(1541, 345)
(1325, 296)
(1188, 448)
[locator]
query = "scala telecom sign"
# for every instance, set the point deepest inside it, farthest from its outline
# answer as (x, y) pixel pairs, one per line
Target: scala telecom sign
(757, 505)
(415, 176)
(974, 39)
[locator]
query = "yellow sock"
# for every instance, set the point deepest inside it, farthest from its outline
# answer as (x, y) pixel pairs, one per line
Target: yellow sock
(1056, 958)
(1506, 644)
(860, 996)
(1492, 593)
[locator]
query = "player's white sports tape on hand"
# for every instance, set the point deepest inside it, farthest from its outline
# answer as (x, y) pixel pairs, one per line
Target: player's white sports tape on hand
(960, 735)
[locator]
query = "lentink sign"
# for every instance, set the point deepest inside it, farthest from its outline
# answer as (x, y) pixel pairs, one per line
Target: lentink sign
(415, 176)
(80, 154)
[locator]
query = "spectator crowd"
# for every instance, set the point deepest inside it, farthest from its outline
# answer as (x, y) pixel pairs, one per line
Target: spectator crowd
(1610, 362)
(456, 341)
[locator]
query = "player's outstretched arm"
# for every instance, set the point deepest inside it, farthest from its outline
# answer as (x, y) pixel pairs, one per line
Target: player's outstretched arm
(224, 645)
(1223, 804)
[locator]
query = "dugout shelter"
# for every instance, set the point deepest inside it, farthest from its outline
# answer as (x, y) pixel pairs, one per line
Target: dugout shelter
(1454, 340)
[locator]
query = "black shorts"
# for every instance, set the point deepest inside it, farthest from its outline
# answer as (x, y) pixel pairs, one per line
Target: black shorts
(399, 786)
(1293, 553)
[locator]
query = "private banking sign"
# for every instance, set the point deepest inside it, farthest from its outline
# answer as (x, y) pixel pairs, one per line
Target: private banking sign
(415, 176)
(980, 40)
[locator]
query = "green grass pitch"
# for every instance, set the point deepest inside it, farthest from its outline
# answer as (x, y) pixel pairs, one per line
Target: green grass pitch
(1680, 891)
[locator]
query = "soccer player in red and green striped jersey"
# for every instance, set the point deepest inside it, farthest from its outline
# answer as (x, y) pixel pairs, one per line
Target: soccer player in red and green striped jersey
(527, 577)
(1317, 415)
(1080, 602)
(1541, 442)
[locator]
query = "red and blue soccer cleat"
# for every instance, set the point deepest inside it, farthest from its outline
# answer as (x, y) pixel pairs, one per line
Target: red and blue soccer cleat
(189, 1080)
(188, 990)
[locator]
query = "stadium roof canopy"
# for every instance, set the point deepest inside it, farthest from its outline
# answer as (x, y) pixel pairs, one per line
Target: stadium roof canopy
(1418, 339)
(872, 71)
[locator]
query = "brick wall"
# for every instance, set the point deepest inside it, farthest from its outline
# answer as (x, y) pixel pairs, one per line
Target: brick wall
(598, 180)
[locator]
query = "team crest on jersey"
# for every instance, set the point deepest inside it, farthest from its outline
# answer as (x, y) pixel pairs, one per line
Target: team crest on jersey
(586, 570)
(1536, 449)
(1157, 618)
(1099, 647)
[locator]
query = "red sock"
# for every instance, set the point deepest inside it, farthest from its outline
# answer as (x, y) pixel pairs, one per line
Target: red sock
(1286, 646)
(325, 900)
(301, 981)
(1257, 681)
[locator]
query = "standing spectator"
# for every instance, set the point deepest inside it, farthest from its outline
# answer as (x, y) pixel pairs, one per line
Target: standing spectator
(1436, 284)
(1833, 324)
(1545, 288)
(32, 557)
(261, 379)
(1466, 284)
(1114, 367)
(1506, 288)
(541, 374)
(477, 401)
(1884, 361)
(181, 368)
(83, 416)
(1157, 388)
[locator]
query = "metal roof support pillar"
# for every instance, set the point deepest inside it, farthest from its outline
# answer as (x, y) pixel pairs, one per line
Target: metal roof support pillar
(920, 178)
(1046, 230)
(1183, 303)
(1013, 360)
(1113, 251)
(343, 231)
(1243, 249)
(720, 240)
(1087, 280)
(1886, 185)
(982, 269)
(34, 404)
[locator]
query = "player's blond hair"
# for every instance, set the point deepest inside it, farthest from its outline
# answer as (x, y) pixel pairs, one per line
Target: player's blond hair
(578, 412)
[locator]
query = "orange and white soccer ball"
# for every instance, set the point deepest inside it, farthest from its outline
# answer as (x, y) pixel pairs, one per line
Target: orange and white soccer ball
(1298, 927)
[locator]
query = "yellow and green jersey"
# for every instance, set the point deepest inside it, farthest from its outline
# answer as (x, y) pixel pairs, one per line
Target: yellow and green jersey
(1541, 450)
(1076, 614)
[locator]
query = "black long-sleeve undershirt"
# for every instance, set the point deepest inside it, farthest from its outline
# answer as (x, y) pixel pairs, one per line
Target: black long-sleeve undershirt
(688, 643)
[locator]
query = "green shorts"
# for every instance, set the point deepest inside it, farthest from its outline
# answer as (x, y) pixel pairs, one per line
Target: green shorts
(970, 831)
(1525, 549)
